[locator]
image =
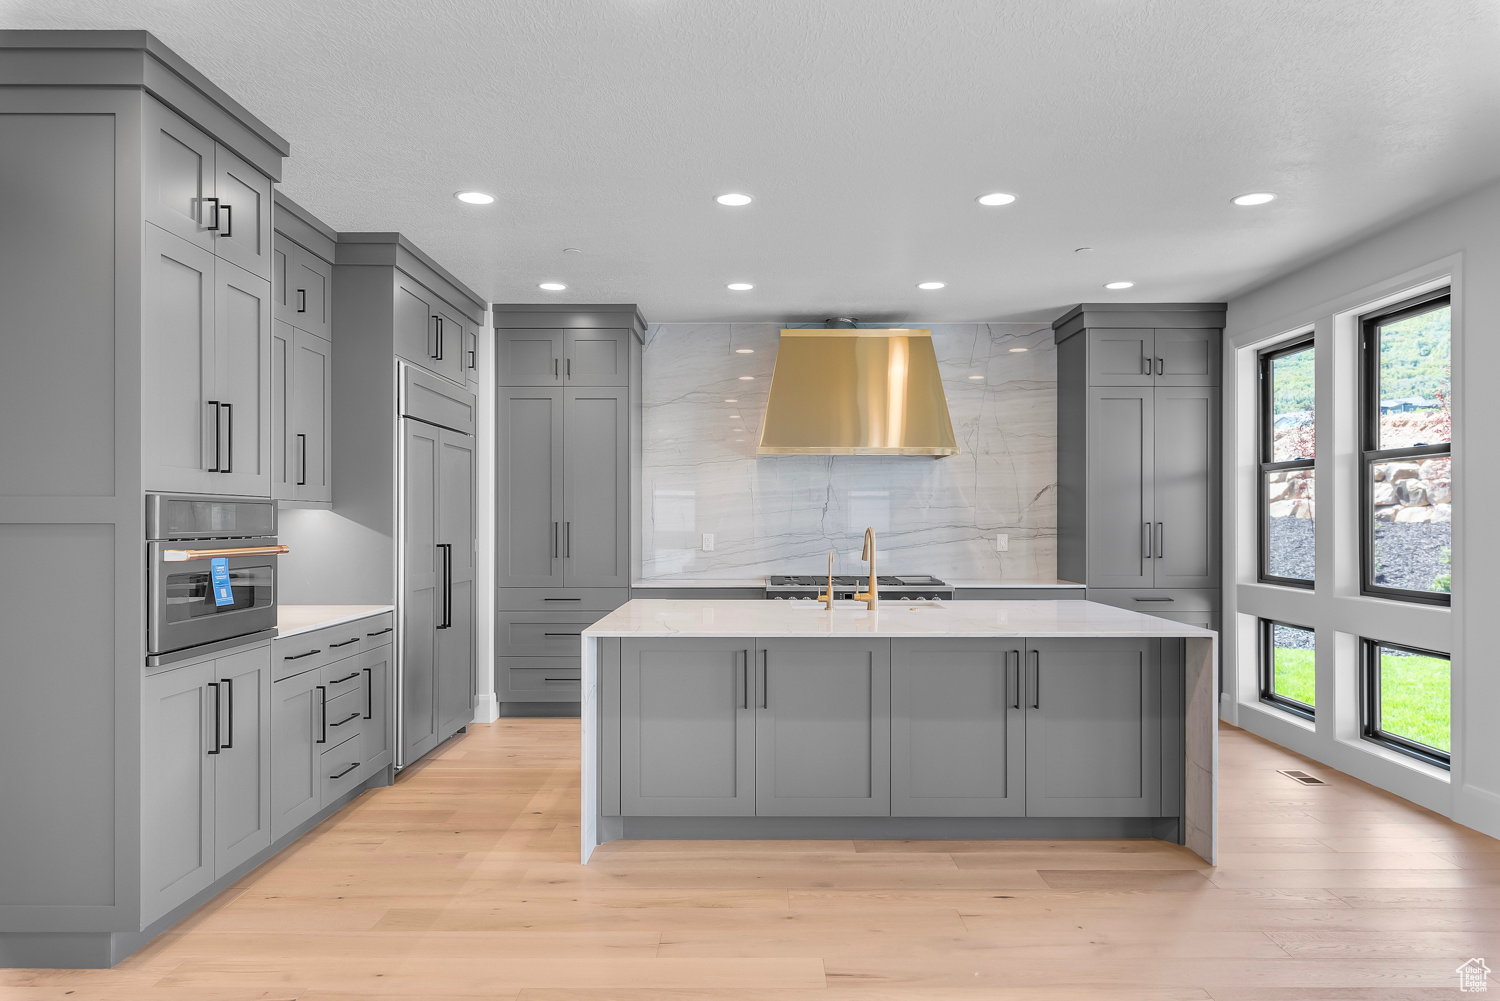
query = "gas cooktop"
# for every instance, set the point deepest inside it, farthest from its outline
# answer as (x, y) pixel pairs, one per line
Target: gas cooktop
(797, 587)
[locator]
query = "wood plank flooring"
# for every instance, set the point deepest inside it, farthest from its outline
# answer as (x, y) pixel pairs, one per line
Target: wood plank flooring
(462, 881)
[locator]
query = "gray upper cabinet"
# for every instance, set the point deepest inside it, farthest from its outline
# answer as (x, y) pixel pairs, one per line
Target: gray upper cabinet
(687, 728)
(471, 353)
(1120, 474)
(1162, 356)
(530, 356)
(284, 459)
(307, 297)
(242, 362)
(1187, 356)
(243, 236)
(823, 728)
(958, 728)
(307, 440)
(179, 176)
(428, 332)
(529, 487)
(179, 741)
(1093, 728)
(1186, 485)
(450, 337)
(596, 488)
(242, 779)
(596, 357)
(1123, 357)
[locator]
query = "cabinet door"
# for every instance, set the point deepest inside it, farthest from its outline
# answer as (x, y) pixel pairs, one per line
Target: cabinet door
(596, 488)
(471, 353)
(1093, 728)
(242, 364)
(1186, 487)
(530, 357)
(958, 729)
(1120, 357)
(296, 726)
(285, 456)
(1187, 356)
(312, 417)
(529, 488)
(179, 741)
(178, 366)
(596, 357)
(1120, 521)
(421, 600)
(455, 532)
(449, 337)
(378, 671)
(416, 332)
(309, 293)
(823, 728)
(687, 729)
(242, 769)
(179, 176)
(243, 236)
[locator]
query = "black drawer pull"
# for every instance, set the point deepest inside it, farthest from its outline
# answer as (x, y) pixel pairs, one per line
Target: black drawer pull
(345, 719)
(381, 632)
(347, 677)
(346, 771)
(560, 679)
(335, 646)
(299, 656)
(562, 599)
(579, 633)
(1155, 599)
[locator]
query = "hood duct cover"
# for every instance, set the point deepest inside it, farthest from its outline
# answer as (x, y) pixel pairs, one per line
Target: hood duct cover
(856, 392)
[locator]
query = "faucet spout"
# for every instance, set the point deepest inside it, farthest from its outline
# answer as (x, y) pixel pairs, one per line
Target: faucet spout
(871, 597)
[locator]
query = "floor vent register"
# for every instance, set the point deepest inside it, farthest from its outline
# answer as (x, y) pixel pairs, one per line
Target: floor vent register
(1298, 775)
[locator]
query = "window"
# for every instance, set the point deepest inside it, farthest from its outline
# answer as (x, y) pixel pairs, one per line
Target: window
(1287, 433)
(1406, 697)
(1407, 474)
(1287, 678)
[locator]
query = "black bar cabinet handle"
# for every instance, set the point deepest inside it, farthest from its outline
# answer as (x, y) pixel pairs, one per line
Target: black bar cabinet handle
(1015, 678)
(579, 633)
(302, 477)
(554, 368)
(1145, 365)
(555, 526)
(334, 646)
(346, 719)
(228, 684)
(447, 548)
(218, 438)
(1161, 367)
(346, 771)
(348, 677)
(299, 656)
(302, 300)
(369, 693)
(1159, 534)
(1146, 538)
(324, 692)
(228, 220)
(562, 599)
(570, 368)
(218, 717)
(745, 679)
(215, 226)
(1036, 679)
(568, 540)
(765, 679)
(227, 466)
(382, 632)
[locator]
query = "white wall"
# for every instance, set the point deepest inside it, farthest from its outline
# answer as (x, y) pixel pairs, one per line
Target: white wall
(1459, 240)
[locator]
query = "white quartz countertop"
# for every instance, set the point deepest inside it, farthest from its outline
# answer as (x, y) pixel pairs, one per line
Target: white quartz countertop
(683, 617)
(294, 619)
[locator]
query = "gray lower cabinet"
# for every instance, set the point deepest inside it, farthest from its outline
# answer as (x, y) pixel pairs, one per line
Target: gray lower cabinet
(242, 768)
(1093, 728)
(296, 732)
(958, 728)
(687, 728)
(823, 728)
(378, 667)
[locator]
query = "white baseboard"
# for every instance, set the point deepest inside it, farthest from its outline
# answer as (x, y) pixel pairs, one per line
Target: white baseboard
(486, 708)
(1479, 809)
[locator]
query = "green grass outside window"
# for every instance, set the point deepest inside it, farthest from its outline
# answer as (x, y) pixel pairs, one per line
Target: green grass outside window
(1415, 692)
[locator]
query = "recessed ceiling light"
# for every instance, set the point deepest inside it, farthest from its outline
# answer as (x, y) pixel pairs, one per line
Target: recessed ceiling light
(976, 378)
(571, 250)
(930, 286)
(734, 199)
(1084, 250)
(1119, 285)
(552, 286)
(744, 351)
(1018, 350)
(747, 378)
(734, 417)
(475, 197)
(1254, 198)
(739, 286)
(995, 198)
(731, 401)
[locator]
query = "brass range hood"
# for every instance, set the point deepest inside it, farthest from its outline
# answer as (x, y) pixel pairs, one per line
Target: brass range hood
(841, 390)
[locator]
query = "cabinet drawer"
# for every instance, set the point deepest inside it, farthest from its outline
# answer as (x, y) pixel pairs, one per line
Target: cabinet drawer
(542, 634)
(561, 599)
(293, 655)
(377, 631)
(342, 767)
(1154, 601)
(343, 714)
(344, 677)
(534, 679)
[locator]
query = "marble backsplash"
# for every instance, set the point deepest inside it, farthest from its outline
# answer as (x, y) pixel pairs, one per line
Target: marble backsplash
(704, 400)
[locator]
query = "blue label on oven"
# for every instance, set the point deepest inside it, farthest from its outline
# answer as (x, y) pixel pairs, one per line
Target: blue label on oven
(223, 592)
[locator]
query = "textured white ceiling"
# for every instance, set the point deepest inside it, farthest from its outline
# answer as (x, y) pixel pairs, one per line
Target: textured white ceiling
(864, 129)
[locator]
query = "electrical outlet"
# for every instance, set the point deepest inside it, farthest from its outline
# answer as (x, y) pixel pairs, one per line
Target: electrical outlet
(1002, 543)
(708, 542)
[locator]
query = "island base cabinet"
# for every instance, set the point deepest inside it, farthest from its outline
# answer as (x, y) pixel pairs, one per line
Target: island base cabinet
(823, 728)
(958, 729)
(687, 729)
(1093, 728)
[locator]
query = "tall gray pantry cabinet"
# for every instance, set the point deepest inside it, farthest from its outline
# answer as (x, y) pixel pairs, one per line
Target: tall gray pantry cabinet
(301, 356)
(135, 197)
(1138, 455)
(568, 419)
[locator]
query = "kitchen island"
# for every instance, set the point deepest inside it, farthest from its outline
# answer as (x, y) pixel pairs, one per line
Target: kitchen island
(709, 719)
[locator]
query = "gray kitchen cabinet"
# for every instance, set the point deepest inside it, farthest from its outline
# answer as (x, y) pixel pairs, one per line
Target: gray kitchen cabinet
(450, 334)
(543, 634)
(178, 169)
(1166, 356)
(687, 728)
(312, 417)
(285, 463)
(305, 294)
(242, 387)
(471, 353)
(180, 727)
(378, 667)
(1120, 473)
(529, 480)
(455, 530)
(596, 356)
(530, 356)
(1186, 487)
(823, 728)
(1187, 356)
(596, 488)
(242, 768)
(243, 194)
(296, 728)
(421, 589)
(427, 331)
(1093, 728)
(1120, 357)
(538, 679)
(958, 728)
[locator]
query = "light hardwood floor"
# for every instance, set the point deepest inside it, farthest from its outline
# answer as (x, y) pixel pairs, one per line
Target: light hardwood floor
(462, 881)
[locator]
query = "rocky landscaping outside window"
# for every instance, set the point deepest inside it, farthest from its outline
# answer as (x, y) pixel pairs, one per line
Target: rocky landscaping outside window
(1288, 447)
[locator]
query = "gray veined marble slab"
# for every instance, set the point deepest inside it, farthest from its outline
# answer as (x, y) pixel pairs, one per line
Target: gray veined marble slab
(703, 406)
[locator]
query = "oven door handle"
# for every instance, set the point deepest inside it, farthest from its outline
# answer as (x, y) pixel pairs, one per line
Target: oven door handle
(183, 555)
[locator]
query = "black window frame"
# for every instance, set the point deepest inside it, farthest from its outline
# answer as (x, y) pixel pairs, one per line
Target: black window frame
(1369, 703)
(1268, 693)
(1268, 464)
(1371, 453)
